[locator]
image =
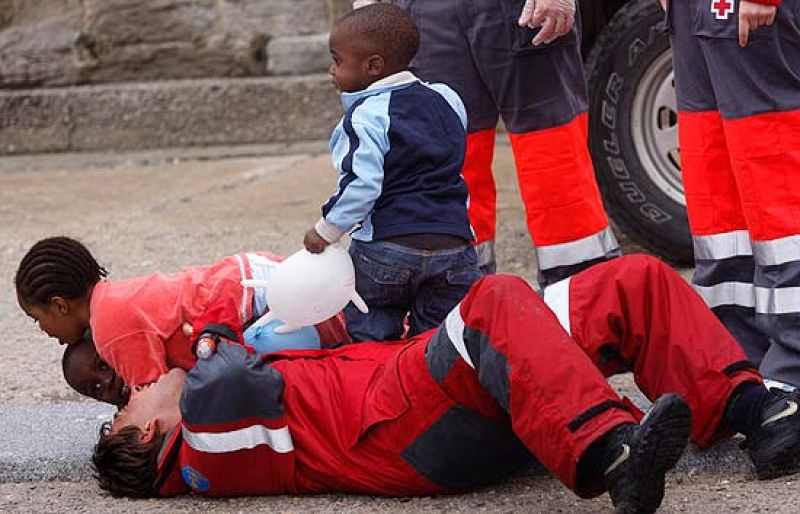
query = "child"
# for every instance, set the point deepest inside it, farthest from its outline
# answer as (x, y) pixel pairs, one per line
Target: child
(399, 150)
(89, 375)
(141, 326)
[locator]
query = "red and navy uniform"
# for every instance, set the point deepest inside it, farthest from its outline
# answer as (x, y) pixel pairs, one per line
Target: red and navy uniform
(739, 126)
(477, 48)
(462, 405)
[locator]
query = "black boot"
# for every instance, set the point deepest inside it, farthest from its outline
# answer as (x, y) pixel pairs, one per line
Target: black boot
(774, 447)
(638, 456)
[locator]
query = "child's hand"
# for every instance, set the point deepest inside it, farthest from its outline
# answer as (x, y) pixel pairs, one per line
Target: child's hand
(314, 242)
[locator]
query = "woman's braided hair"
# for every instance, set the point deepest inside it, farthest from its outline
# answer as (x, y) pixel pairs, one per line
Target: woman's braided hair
(57, 266)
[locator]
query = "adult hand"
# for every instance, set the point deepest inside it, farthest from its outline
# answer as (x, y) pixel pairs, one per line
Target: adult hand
(314, 242)
(664, 4)
(555, 17)
(752, 16)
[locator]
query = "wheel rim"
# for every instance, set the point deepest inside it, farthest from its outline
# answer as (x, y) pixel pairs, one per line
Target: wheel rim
(654, 127)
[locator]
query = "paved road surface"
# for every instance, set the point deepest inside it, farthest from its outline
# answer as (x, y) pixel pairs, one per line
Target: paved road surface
(148, 212)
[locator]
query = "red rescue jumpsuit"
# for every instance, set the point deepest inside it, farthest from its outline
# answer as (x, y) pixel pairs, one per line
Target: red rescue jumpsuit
(459, 406)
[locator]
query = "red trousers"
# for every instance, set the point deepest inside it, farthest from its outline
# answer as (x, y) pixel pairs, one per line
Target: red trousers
(462, 405)
(478, 49)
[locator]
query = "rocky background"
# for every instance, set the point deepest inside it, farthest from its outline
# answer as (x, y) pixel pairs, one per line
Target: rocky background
(131, 75)
(54, 43)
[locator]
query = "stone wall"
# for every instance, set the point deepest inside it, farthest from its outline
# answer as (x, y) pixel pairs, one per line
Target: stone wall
(54, 43)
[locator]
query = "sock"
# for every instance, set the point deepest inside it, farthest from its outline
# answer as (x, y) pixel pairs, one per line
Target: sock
(746, 407)
(599, 455)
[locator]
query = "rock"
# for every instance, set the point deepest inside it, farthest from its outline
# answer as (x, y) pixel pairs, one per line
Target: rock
(168, 114)
(298, 55)
(70, 42)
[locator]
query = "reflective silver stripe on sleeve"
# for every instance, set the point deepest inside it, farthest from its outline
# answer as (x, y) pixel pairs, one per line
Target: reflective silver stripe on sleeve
(455, 332)
(556, 297)
(280, 440)
(596, 246)
(243, 276)
(777, 251)
(261, 268)
(779, 300)
(722, 246)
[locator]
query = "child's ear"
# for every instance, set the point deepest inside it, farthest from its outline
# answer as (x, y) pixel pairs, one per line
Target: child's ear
(60, 304)
(374, 65)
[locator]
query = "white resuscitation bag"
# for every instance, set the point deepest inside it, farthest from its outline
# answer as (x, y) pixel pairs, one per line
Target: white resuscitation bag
(309, 288)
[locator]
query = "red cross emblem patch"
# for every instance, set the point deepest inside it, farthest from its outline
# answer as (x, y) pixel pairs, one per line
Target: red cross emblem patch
(722, 8)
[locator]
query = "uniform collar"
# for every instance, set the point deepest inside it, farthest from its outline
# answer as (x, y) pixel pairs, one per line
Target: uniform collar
(169, 481)
(394, 81)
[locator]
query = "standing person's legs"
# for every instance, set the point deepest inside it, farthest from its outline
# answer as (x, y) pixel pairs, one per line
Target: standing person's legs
(503, 348)
(446, 56)
(724, 265)
(540, 93)
(758, 92)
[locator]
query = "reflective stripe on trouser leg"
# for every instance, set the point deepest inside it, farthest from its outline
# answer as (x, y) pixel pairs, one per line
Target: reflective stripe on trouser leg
(757, 92)
(636, 313)
(487, 259)
(503, 333)
(765, 153)
(565, 214)
(477, 172)
(724, 264)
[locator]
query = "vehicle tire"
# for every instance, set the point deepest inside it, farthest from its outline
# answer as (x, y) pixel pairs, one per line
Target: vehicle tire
(633, 131)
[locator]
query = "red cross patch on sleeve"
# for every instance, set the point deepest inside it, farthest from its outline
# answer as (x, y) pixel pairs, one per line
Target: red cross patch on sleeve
(722, 8)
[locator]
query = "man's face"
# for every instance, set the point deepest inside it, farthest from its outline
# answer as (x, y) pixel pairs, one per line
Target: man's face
(88, 374)
(349, 68)
(153, 404)
(55, 319)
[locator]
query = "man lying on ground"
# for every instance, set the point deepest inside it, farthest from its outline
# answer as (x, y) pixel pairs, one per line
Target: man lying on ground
(466, 404)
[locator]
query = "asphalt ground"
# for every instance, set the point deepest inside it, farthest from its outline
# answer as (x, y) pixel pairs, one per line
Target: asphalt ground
(166, 210)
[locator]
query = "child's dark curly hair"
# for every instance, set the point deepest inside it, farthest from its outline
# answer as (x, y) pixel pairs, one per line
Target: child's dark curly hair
(383, 29)
(56, 266)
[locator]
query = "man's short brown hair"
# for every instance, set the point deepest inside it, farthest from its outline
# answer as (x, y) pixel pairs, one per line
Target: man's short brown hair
(124, 465)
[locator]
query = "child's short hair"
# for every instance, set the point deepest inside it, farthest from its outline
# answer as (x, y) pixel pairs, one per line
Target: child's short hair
(56, 266)
(384, 29)
(124, 465)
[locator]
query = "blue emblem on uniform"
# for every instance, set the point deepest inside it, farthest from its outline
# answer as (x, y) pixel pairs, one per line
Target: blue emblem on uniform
(195, 479)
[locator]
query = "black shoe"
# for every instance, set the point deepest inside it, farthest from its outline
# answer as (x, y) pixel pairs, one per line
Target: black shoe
(775, 447)
(640, 455)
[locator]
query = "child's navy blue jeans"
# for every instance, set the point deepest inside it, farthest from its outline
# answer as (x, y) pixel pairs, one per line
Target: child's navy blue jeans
(396, 281)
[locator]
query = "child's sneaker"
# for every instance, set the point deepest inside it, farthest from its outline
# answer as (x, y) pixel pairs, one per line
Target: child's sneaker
(775, 447)
(638, 456)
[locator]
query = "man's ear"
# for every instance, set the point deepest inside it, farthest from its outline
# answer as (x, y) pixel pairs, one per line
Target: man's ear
(374, 65)
(151, 430)
(60, 304)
